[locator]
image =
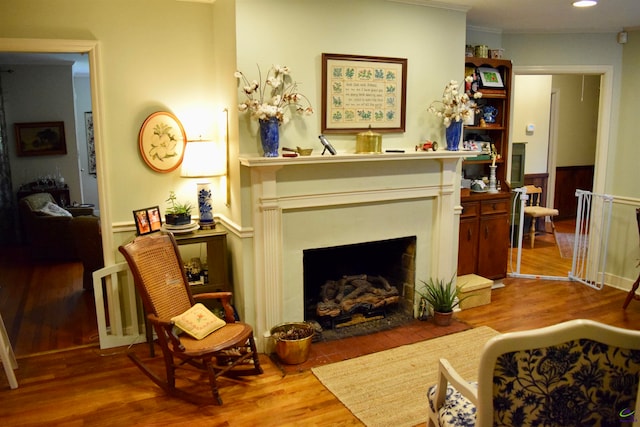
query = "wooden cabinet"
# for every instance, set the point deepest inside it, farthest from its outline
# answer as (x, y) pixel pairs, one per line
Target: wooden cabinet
(483, 246)
(484, 223)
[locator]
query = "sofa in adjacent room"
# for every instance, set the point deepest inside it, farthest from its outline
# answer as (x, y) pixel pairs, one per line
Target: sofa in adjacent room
(54, 234)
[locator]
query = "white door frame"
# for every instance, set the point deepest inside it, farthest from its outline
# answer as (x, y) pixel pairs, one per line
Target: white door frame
(91, 48)
(604, 109)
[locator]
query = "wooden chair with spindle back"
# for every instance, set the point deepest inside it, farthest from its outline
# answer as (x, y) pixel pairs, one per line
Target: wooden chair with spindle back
(535, 211)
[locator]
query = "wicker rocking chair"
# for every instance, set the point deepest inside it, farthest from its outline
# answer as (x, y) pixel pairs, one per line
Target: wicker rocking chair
(162, 284)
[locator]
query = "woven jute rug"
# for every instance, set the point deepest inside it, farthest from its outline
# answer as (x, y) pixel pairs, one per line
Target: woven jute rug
(389, 388)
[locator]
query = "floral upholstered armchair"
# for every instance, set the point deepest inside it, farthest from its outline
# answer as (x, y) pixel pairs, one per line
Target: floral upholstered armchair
(576, 373)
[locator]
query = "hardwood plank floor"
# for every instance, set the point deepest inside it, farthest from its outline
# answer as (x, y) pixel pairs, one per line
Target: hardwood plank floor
(43, 305)
(87, 386)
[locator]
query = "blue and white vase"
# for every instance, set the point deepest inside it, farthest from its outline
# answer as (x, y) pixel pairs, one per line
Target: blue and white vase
(204, 204)
(270, 136)
(453, 133)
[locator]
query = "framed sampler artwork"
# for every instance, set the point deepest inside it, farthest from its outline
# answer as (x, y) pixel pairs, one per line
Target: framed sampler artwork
(40, 139)
(362, 92)
(162, 141)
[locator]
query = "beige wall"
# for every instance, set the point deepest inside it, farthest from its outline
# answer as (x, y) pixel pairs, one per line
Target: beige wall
(296, 33)
(624, 231)
(578, 118)
(155, 55)
(531, 100)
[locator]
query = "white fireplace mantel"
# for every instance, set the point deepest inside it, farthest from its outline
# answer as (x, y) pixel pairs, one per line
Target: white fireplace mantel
(255, 161)
(269, 202)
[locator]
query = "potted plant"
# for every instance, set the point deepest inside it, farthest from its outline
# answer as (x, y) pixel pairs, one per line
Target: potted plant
(177, 213)
(443, 297)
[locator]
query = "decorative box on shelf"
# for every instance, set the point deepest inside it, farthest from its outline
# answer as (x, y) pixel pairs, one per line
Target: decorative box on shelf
(476, 290)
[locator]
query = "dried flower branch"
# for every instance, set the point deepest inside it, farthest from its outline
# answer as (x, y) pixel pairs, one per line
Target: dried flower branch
(271, 98)
(455, 104)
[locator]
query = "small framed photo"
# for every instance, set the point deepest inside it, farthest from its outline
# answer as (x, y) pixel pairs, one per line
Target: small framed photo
(490, 77)
(40, 139)
(147, 220)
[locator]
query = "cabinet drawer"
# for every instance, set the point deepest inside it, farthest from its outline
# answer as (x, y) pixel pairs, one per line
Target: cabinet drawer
(490, 207)
(470, 209)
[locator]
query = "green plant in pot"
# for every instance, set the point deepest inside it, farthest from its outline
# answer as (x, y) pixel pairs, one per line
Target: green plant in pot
(177, 213)
(443, 296)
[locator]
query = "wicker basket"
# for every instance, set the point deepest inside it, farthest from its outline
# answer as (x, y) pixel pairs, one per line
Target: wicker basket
(476, 290)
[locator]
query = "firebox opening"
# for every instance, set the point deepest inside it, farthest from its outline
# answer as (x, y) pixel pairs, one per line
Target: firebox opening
(363, 282)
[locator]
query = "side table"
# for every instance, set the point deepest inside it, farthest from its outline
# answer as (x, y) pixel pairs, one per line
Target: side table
(216, 258)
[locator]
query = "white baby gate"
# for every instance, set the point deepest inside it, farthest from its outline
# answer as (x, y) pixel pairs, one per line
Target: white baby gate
(117, 307)
(593, 221)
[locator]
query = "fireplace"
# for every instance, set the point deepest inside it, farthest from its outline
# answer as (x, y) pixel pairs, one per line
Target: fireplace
(310, 202)
(352, 283)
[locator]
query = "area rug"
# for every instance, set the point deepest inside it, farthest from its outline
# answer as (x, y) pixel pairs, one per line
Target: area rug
(565, 244)
(389, 388)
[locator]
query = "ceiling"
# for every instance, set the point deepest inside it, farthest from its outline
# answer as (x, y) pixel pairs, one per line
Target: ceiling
(79, 62)
(544, 16)
(502, 16)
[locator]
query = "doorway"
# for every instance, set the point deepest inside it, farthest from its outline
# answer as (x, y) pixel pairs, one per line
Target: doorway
(550, 159)
(90, 49)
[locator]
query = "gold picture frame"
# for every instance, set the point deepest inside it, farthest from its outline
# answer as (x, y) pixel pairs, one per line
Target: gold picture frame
(40, 139)
(361, 92)
(162, 141)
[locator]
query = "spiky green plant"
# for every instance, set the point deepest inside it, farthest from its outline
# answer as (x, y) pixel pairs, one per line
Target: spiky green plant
(442, 296)
(176, 208)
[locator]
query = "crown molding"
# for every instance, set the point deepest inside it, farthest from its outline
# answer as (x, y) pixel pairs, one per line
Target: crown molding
(435, 3)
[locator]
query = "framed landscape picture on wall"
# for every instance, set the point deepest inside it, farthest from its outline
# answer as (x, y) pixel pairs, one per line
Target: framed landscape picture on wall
(40, 139)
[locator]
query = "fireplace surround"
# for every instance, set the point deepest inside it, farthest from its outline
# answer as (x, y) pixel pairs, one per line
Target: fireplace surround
(318, 201)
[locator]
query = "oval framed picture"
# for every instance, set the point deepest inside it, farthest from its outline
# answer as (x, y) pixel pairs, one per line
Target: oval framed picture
(162, 141)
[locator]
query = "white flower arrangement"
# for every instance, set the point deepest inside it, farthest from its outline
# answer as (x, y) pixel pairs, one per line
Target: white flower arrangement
(455, 104)
(264, 102)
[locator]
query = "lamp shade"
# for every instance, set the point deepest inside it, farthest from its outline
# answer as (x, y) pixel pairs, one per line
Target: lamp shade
(202, 159)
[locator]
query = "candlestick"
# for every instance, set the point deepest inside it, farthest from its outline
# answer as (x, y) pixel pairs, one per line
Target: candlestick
(492, 179)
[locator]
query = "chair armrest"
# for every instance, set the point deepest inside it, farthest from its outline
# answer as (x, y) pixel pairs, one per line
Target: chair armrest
(446, 374)
(225, 300)
(169, 328)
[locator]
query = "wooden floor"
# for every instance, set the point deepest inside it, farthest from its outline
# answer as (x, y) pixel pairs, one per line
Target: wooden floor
(87, 386)
(43, 305)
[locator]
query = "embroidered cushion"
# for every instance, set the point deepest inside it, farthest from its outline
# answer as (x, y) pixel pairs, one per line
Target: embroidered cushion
(198, 321)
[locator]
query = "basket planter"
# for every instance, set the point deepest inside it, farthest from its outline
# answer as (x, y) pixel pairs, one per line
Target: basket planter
(292, 342)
